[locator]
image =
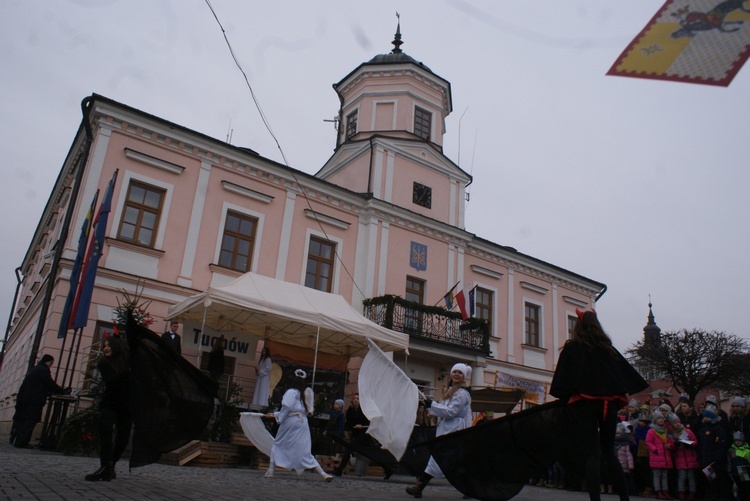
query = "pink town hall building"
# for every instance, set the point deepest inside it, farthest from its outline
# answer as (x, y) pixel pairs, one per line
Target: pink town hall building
(381, 224)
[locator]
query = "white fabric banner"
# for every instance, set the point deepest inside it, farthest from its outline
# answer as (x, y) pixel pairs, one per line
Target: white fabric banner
(389, 399)
(255, 431)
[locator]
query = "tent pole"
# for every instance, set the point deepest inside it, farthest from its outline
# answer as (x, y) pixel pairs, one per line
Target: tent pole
(203, 332)
(315, 361)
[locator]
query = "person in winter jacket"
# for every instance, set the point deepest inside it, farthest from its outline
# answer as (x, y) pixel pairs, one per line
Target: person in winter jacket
(35, 388)
(660, 446)
(685, 458)
(623, 441)
(713, 443)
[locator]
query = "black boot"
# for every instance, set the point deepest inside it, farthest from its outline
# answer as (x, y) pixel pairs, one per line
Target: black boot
(416, 489)
(103, 473)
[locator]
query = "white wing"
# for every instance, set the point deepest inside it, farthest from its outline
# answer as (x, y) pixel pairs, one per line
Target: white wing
(389, 399)
(256, 431)
(309, 399)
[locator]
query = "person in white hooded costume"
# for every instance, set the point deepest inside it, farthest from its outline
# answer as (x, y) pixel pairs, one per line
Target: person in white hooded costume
(453, 412)
(292, 444)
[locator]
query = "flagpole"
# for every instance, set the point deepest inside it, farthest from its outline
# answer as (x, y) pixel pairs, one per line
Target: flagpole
(75, 357)
(315, 361)
(59, 357)
(70, 354)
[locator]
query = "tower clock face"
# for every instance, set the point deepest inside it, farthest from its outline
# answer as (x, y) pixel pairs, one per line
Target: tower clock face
(422, 195)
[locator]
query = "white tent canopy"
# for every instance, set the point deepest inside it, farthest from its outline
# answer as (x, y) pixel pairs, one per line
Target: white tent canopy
(287, 313)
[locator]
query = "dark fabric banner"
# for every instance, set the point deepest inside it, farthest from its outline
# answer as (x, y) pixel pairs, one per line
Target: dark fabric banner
(492, 461)
(415, 457)
(170, 400)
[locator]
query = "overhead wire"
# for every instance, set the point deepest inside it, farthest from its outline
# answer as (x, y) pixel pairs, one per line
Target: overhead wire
(278, 145)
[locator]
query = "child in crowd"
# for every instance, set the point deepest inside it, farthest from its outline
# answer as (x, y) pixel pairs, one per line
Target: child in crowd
(660, 446)
(739, 460)
(335, 425)
(632, 411)
(642, 471)
(685, 458)
(623, 441)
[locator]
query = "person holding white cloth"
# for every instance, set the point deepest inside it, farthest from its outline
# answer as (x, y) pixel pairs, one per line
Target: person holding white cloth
(453, 412)
(292, 445)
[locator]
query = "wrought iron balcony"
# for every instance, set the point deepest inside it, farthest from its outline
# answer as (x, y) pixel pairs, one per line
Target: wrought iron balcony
(428, 322)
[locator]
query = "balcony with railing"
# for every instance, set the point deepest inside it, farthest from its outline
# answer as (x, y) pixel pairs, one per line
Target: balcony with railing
(431, 323)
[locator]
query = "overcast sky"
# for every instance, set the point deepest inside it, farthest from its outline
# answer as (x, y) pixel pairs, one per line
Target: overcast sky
(635, 183)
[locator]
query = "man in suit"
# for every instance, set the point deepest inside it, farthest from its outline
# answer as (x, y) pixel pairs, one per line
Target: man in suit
(172, 338)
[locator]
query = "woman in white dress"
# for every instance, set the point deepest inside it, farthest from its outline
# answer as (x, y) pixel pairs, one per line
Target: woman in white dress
(291, 447)
(263, 384)
(453, 413)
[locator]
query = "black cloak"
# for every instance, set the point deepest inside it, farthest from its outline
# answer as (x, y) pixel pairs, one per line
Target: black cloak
(494, 460)
(171, 401)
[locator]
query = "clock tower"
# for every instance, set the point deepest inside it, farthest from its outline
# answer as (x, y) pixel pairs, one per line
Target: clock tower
(390, 137)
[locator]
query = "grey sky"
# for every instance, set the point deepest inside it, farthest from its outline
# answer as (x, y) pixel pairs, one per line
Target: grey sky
(636, 183)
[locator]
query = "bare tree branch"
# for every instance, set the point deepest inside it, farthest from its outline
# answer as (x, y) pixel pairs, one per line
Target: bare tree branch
(694, 360)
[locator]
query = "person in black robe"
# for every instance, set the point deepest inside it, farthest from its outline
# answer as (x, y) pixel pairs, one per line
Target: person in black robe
(594, 379)
(216, 359)
(170, 401)
(493, 461)
(115, 421)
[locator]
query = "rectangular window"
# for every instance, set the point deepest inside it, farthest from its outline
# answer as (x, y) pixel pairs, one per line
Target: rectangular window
(238, 241)
(422, 123)
(415, 293)
(531, 314)
(140, 216)
(351, 124)
(483, 304)
(571, 325)
(320, 264)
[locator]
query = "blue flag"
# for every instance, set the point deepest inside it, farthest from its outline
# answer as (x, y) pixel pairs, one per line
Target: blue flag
(83, 302)
(75, 273)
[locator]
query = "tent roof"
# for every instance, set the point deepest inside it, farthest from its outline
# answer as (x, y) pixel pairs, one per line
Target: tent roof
(288, 313)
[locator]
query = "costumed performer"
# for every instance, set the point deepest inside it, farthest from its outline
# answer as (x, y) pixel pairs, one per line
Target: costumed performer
(263, 384)
(292, 445)
(453, 413)
(115, 420)
(593, 379)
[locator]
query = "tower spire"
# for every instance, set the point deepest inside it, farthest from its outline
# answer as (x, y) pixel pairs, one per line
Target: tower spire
(651, 332)
(397, 38)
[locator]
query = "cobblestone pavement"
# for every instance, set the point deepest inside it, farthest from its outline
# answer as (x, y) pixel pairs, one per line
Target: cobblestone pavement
(36, 474)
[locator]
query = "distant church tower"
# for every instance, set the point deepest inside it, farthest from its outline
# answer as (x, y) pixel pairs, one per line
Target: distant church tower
(652, 332)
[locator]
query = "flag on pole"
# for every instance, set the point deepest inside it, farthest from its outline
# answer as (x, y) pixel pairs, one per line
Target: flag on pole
(465, 301)
(75, 273)
(86, 289)
(448, 298)
(703, 42)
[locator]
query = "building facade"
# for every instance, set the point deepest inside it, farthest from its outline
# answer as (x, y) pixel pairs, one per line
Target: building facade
(383, 217)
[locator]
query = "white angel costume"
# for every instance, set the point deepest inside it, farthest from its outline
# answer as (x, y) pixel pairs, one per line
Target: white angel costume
(292, 445)
(263, 384)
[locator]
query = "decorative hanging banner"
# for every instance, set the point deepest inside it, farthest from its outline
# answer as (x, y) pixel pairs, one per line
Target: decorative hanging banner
(418, 256)
(534, 389)
(693, 41)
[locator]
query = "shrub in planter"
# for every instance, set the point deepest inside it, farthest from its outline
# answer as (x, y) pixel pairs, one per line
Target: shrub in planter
(80, 433)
